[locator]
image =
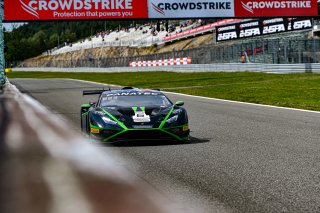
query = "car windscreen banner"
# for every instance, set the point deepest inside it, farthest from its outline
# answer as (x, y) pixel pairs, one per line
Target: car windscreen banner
(261, 27)
(190, 8)
(33, 10)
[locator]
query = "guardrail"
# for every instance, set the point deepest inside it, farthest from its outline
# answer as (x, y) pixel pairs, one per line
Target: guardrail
(46, 167)
(228, 67)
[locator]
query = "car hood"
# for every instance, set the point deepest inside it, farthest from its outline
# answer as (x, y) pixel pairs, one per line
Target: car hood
(139, 117)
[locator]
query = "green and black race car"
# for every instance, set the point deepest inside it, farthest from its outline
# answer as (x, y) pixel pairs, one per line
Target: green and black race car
(134, 114)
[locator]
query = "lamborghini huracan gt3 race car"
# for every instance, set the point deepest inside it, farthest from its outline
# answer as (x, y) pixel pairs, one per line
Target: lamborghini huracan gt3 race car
(134, 114)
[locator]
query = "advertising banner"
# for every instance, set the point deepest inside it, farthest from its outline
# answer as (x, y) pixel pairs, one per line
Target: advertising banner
(34, 10)
(249, 29)
(200, 29)
(299, 24)
(190, 8)
(276, 25)
(228, 32)
(276, 8)
(261, 27)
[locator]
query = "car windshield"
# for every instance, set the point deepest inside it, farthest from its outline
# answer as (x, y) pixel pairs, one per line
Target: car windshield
(134, 100)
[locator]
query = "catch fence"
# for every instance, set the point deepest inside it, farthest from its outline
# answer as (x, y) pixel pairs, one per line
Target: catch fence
(276, 51)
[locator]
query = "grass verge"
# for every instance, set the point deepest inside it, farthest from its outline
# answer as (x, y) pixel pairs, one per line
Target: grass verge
(289, 90)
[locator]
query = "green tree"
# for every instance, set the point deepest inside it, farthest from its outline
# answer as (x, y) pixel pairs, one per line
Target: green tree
(34, 38)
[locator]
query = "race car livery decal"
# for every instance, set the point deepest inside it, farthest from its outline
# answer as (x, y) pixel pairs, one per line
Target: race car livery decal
(131, 93)
(134, 118)
(185, 127)
(95, 130)
(140, 116)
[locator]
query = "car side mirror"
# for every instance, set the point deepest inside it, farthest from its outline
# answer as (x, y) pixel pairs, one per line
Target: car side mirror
(179, 103)
(85, 107)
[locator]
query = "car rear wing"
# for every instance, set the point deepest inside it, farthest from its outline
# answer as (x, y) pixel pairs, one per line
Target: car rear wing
(94, 92)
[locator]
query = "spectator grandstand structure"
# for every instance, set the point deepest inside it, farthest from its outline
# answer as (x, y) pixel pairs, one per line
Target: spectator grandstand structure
(144, 35)
(289, 47)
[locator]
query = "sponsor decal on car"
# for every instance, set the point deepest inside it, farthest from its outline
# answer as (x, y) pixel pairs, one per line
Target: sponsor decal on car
(94, 131)
(131, 94)
(140, 116)
(142, 126)
(185, 128)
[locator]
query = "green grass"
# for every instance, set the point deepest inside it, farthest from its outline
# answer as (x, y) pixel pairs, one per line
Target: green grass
(288, 90)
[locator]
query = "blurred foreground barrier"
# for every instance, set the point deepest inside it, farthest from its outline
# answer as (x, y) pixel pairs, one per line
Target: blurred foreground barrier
(46, 167)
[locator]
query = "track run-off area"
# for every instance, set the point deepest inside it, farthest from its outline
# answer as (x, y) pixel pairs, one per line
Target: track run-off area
(241, 157)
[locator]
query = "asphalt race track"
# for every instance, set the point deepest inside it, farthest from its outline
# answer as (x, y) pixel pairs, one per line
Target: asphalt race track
(241, 157)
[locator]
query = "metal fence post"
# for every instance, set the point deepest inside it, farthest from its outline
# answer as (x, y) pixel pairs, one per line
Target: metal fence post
(273, 54)
(2, 60)
(285, 54)
(263, 51)
(314, 51)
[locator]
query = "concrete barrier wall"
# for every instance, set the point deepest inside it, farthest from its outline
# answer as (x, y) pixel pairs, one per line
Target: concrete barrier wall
(228, 67)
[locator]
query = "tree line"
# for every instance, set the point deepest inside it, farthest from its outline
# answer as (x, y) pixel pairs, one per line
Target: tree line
(35, 38)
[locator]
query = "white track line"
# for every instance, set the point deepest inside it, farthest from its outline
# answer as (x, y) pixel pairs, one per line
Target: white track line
(213, 99)
(244, 103)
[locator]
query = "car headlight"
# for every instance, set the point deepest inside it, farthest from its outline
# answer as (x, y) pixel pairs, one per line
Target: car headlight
(102, 120)
(173, 119)
(109, 121)
(176, 111)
